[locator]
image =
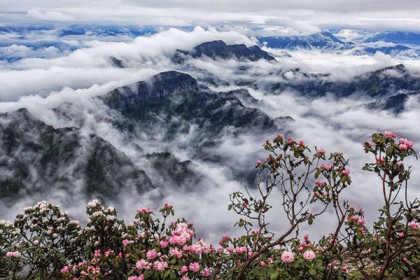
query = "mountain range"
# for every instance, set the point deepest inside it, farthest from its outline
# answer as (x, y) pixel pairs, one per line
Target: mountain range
(179, 113)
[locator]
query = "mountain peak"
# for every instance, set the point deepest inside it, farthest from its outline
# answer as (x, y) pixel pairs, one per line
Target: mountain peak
(219, 49)
(158, 86)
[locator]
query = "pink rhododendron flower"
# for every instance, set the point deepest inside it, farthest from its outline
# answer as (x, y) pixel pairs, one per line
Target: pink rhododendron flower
(390, 134)
(163, 244)
(160, 266)
(144, 210)
(403, 147)
(240, 250)
(185, 278)
(321, 151)
(141, 277)
(414, 225)
(36, 242)
(195, 266)
(404, 141)
(401, 234)
(65, 269)
(184, 269)
(287, 257)
(205, 272)
(309, 255)
(346, 172)
(301, 143)
(259, 163)
(151, 255)
(326, 166)
(142, 264)
(97, 253)
(125, 242)
(107, 253)
(13, 254)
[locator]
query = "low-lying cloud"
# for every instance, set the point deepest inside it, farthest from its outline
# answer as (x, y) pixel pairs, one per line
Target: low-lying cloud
(335, 125)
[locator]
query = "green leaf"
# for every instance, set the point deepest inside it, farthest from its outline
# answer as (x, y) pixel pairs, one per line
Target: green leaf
(312, 272)
(390, 151)
(274, 275)
(310, 220)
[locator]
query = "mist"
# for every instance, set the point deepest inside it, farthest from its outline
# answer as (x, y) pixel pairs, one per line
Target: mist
(77, 79)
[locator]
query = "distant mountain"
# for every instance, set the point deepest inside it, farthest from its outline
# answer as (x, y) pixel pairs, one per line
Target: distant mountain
(391, 43)
(396, 37)
(38, 159)
(219, 50)
(323, 40)
(390, 85)
(390, 50)
(106, 30)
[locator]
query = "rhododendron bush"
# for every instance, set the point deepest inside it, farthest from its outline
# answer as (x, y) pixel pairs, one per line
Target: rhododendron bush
(45, 243)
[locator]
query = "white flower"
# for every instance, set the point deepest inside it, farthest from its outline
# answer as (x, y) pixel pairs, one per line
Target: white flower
(98, 213)
(93, 203)
(110, 218)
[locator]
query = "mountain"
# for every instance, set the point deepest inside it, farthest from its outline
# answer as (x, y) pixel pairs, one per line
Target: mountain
(159, 86)
(38, 159)
(396, 50)
(397, 37)
(174, 100)
(171, 108)
(106, 30)
(219, 50)
(323, 40)
(387, 87)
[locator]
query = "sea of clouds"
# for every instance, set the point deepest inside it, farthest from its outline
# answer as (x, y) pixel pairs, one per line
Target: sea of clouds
(77, 77)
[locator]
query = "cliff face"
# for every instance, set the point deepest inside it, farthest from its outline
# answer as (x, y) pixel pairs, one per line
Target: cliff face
(174, 102)
(39, 159)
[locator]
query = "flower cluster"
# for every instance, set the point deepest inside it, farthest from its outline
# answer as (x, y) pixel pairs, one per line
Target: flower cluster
(44, 242)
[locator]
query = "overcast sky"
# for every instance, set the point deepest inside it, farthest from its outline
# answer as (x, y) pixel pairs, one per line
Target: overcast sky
(306, 15)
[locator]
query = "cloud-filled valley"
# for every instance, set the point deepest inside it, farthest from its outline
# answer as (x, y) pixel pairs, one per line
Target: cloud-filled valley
(195, 135)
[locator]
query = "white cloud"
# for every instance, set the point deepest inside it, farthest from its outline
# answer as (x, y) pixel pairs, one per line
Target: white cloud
(43, 84)
(302, 15)
(50, 15)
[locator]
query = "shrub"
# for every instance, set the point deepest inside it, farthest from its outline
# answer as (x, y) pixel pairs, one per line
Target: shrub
(44, 243)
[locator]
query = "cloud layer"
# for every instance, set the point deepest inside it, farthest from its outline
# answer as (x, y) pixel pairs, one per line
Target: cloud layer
(336, 125)
(305, 14)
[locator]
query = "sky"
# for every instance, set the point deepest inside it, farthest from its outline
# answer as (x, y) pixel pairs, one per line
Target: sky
(304, 15)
